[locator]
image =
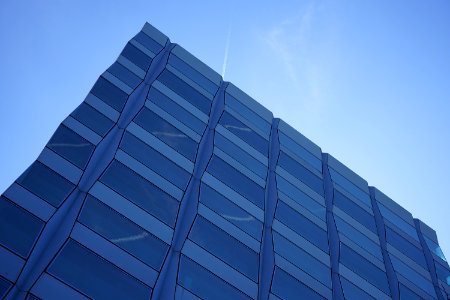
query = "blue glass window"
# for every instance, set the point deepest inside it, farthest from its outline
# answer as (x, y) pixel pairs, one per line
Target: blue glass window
(407, 294)
(155, 160)
(353, 292)
(302, 226)
(245, 133)
(236, 180)
(123, 232)
(405, 247)
(355, 211)
(301, 173)
(110, 94)
(71, 146)
(125, 75)
(94, 276)
(287, 287)
(225, 247)
(231, 212)
(93, 119)
(166, 132)
(4, 286)
(204, 284)
(364, 268)
(138, 57)
(19, 229)
(32, 297)
(443, 273)
(148, 42)
(141, 192)
(185, 90)
(46, 183)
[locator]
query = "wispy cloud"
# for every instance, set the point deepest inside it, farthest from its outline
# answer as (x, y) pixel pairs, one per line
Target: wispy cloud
(227, 48)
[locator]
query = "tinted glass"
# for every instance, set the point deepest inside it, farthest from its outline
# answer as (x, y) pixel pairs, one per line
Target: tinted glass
(123, 232)
(93, 119)
(166, 132)
(46, 184)
(71, 146)
(4, 286)
(141, 192)
(407, 294)
(110, 94)
(225, 247)
(125, 75)
(405, 247)
(148, 42)
(443, 273)
(353, 292)
(355, 211)
(287, 287)
(236, 180)
(94, 276)
(138, 57)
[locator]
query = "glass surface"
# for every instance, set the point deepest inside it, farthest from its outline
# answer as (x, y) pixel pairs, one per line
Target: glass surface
(186, 91)
(355, 211)
(302, 225)
(287, 287)
(136, 56)
(300, 151)
(404, 246)
(141, 192)
(236, 180)
(125, 75)
(205, 284)
(166, 132)
(123, 233)
(407, 294)
(94, 276)
(350, 187)
(176, 111)
(435, 248)
(19, 229)
(32, 297)
(230, 211)
(46, 183)
(397, 221)
(442, 273)
(301, 173)
(351, 291)
(4, 286)
(245, 133)
(155, 160)
(110, 94)
(148, 42)
(71, 146)
(93, 119)
(364, 268)
(226, 248)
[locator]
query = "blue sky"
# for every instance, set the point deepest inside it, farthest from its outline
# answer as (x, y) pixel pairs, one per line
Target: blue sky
(368, 81)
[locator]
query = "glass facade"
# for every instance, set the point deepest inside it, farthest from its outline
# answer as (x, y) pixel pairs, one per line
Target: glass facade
(168, 182)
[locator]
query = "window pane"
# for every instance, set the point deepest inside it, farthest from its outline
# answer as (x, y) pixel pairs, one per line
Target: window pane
(110, 94)
(405, 247)
(96, 277)
(442, 273)
(93, 119)
(204, 284)
(4, 286)
(407, 294)
(353, 292)
(125, 75)
(46, 183)
(166, 132)
(236, 180)
(397, 221)
(287, 287)
(148, 42)
(123, 233)
(71, 146)
(138, 57)
(141, 192)
(225, 247)
(355, 211)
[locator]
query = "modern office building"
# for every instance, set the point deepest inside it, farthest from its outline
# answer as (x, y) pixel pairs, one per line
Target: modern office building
(168, 182)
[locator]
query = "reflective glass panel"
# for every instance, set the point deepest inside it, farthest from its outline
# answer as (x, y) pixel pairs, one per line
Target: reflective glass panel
(93, 119)
(405, 247)
(148, 42)
(355, 211)
(287, 287)
(4, 286)
(110, 94)
(136, 56)
(353, 292)
(407, 294)
(125, 75)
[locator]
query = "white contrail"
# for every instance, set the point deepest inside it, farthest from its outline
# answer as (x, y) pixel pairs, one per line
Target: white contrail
(227, 47)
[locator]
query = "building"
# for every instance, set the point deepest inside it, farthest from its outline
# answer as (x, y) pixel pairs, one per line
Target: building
(169, 182)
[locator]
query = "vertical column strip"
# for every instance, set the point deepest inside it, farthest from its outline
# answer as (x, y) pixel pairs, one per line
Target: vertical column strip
(390, 272)
(429, 259)
(166, 283)
(267, 256)
(59, 226)
(333, 237)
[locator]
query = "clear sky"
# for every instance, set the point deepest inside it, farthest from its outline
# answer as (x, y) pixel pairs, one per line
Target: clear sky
(367, 81)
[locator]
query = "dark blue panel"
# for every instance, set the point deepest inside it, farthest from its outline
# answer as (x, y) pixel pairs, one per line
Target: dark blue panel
(364, 268)
(166, 132)
(123, 232)
(442, 273)
(287, 287)
(236, 180)
(302, 226)
(353, 292)
(407, 294)
(301, 173)
(93, 119)
(245, 133)
(155, 160)
(148, 42)
(230, 211)
(71, 146)
(225, 247)
(94, 276)
(404, 246)
(176, 110)
(32, 297)
(186, 91)
(204, 284)
(355, 211)
(19, 229)
(125, 75)
(4, 286)
(110, 94)
(46, 183)
(141, 192)
(138, 57)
